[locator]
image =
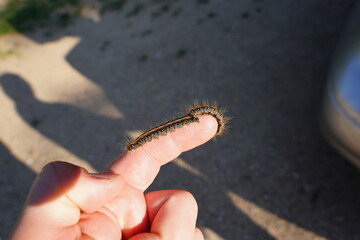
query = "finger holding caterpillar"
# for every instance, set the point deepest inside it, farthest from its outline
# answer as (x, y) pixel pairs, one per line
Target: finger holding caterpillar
(144, 156)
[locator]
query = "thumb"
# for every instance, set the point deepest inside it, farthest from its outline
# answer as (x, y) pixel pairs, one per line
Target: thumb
(86, 191)
(61, 191)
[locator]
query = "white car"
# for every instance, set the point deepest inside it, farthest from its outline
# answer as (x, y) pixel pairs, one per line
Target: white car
(340, 119)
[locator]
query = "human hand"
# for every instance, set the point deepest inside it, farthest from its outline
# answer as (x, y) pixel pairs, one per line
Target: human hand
(66, 202)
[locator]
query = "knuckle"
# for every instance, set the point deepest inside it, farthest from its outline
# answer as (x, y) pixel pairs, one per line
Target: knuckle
(185, 199)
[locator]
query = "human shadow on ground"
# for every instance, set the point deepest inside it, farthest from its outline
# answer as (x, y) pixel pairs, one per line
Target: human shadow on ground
(53, 120)
(15, 182)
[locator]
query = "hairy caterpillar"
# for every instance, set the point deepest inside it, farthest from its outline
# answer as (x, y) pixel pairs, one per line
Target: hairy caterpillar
(191, 116)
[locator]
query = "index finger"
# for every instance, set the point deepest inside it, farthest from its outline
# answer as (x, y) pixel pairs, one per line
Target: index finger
(140, 167)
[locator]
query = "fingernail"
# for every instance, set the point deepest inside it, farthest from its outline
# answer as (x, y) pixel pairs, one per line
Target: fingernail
(103, 175)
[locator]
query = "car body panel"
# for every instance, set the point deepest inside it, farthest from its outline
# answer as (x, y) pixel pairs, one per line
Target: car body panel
(341, 108)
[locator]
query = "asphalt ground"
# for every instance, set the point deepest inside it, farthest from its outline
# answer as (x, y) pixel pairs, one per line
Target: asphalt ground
(271, 177)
